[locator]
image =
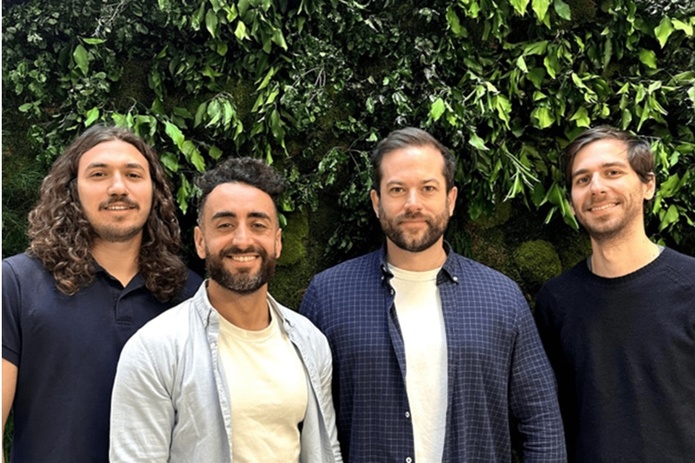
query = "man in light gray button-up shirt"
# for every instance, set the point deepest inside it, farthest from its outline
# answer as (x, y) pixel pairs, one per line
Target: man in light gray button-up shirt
(229, 374)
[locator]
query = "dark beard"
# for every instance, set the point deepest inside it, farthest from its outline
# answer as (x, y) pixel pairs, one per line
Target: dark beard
(243, 282)
(436, 228)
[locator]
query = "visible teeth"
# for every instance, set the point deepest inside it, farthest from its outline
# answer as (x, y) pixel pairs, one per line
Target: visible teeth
(118, 208)
(600, 208)
(243, 258)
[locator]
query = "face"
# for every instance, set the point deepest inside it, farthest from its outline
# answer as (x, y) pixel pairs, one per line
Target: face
(239, 237)
(115, 190)
(414, 207)
(607, 194)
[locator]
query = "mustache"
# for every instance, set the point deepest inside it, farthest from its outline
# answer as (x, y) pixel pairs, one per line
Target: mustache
(231, 250)
(123, 200)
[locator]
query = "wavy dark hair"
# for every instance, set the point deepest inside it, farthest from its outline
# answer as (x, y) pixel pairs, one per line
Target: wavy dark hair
(61, 237)
(405, 138)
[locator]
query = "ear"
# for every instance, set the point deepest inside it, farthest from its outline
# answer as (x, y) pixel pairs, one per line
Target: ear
(199, 242)
(451, 198)
(650, 188)
(278, 243)
(375, 202)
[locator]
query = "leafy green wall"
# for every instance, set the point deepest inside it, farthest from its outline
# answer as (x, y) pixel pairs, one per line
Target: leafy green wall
(311, 86)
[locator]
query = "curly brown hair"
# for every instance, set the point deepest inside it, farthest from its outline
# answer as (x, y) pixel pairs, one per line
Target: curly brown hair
(61, 237)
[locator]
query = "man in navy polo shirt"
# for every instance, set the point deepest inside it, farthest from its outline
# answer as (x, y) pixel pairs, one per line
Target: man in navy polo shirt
(436, 357)
(102, 261)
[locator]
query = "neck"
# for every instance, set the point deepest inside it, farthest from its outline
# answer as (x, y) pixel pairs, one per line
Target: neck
(429, 259)
(120, 259)
(612, 259)
(247, 311)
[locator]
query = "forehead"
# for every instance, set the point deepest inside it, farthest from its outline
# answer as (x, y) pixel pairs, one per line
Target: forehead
(413, 163)
(600, 152)
(240, 199)
(115, 154)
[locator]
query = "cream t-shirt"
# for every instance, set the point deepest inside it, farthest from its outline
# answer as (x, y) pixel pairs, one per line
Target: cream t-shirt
(419, 311)
(267, 391)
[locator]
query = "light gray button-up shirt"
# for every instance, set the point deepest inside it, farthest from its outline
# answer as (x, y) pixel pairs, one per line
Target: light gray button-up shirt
(170, 400)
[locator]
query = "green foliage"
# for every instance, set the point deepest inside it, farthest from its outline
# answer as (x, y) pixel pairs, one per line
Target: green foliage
(311, 85)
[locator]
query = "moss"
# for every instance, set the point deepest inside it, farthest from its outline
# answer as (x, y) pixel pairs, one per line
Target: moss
(537, 262)
(499, 216)
(488, 247)
(293, 237)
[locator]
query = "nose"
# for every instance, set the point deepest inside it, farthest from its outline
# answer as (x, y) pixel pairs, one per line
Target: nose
(412, 201)
(242, 236)
(118, 186)
(597, 186)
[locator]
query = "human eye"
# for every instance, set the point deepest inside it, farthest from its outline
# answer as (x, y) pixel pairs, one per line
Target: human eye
(134, 175)
(429, 188)
(395, 190)
(582, 180)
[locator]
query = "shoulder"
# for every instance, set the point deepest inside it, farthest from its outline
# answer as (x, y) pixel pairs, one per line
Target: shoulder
(349, 274)
(479, 277)
(23, 264)
(165, 329)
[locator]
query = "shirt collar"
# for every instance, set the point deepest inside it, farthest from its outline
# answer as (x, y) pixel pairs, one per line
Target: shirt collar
(448, 269)
(207, 312)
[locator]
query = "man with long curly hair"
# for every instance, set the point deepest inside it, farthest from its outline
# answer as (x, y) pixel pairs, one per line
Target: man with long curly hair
(103, 260)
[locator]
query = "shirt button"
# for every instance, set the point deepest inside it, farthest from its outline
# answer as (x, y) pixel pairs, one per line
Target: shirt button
(456, 278)
(407, 414)
(408, 460)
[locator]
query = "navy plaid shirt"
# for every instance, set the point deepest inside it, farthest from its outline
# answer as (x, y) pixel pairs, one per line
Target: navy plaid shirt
(498, 375)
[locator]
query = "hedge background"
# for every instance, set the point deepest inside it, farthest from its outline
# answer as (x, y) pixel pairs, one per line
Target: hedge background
(312, 85)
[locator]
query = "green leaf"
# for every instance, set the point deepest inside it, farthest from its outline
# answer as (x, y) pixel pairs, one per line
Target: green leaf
(437, 109)
(477, 142)
(240, 31)
(215, 152)
(211, 23)
(520, 6)
(683, 26)
(663, 31)
(454, 23)
(93, 41)
(543, 116)
(92, 115)
(581, 116)
(81, 57)
(563, 10)
(648, 58)
(170, 161)
(174, 133)
(521, 63)
(671, 216)
(540, 7)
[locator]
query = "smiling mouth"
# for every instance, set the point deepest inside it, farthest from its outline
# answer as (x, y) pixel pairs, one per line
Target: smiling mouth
(243, 258)
(602, 208)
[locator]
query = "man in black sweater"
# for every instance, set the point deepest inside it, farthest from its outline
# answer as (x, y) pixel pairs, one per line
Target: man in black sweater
(619, 327)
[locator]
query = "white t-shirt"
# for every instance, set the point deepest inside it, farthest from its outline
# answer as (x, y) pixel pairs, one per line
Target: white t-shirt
(268, 392)
(419, 311)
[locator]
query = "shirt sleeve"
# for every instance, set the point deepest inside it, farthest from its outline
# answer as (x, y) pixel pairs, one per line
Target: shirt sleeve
(533, 395)
(11, 304)
(142, 412)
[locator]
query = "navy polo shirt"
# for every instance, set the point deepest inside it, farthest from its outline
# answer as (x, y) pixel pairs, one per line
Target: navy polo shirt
(67, 349)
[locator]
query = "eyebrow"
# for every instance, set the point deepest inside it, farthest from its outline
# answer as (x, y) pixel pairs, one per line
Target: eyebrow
(602, 166)
(101, 165)
(230, 214)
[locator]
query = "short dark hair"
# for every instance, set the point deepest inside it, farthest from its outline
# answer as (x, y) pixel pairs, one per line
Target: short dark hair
(241, 170)
(404, 138)
(639, 153)
(61, 237)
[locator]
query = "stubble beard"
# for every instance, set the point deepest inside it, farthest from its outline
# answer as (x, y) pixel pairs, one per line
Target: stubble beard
(436, 226)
